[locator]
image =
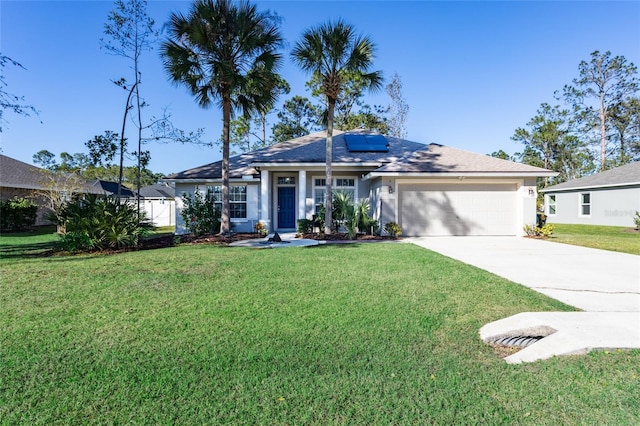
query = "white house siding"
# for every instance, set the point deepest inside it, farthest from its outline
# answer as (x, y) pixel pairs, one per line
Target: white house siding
(609, 206)
(238, 225)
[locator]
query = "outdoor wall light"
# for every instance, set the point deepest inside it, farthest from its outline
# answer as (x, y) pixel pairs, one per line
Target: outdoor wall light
(390, 189)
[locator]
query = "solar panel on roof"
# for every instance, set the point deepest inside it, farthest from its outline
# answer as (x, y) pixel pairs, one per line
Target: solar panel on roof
(366, 143)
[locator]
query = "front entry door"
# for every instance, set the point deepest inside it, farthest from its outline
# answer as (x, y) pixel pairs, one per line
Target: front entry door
(286, 207)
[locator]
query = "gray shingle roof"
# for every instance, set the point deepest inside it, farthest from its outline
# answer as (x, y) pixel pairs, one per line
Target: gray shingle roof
(629, 174)
(158, 190)
(16, 174)
(443, 159)
(403, 157)
(111, 188)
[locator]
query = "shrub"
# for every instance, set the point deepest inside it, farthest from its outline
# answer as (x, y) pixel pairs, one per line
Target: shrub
(351, 222)
(305, 226)
(393, 229)
(262, 229)
(200, 214)
(636, 220)
(541, 219)
(17, 214)
(99, 223)
(365, 223)
(537, 231)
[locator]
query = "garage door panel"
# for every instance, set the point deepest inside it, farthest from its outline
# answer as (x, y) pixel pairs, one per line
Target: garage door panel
(452, 209)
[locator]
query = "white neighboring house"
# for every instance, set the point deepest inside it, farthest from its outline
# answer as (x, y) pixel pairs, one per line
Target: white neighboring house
(607, 198)
(158, 201)
(429, 190)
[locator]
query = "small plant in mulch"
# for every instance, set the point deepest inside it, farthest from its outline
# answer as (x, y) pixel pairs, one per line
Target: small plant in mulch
(544, 231)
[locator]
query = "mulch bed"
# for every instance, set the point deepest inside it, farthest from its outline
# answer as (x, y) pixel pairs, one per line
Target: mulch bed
(343, 238)
(172, 240)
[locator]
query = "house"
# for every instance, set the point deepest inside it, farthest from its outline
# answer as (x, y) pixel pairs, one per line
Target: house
(159, 204)
(429, 190)
(607, 198)
(18, 179)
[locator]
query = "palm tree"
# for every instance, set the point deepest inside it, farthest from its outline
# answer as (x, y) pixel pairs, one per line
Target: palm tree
(225, 52)
(334, 54)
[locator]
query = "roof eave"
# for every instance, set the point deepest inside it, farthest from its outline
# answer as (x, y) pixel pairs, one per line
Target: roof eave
(208, 180)
(577, 188)
(459, 174)
(316, 164)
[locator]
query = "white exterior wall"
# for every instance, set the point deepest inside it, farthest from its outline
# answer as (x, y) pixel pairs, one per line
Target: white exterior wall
(239, 225)
(609, 207)
(527, 205)
(524, 195)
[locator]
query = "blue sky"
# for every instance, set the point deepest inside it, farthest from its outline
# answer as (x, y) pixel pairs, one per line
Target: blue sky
(472, 71)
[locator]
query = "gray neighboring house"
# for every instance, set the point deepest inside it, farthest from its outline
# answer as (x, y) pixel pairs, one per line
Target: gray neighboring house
(607, 198)
(429, 190)
(159, 204)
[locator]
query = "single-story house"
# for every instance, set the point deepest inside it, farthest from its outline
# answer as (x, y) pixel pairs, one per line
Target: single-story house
(158, 201)
(19, 179)
(429, 190)
(607, 198)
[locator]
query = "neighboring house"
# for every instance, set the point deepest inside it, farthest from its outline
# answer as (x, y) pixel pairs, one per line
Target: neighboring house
(18, 179)
(159, 204)
(427, 189)
(607, 198)
(106, 187)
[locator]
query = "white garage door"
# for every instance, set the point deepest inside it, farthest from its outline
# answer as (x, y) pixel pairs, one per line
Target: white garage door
(457, 209)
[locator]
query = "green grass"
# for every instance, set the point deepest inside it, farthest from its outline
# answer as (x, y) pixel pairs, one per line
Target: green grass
(613, 238)
(384, 334)
(28, 243)
(164, 230)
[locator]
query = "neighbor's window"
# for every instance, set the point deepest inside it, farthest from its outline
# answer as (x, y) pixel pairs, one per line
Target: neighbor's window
(237, 200)
(552, 204)
(585, 204)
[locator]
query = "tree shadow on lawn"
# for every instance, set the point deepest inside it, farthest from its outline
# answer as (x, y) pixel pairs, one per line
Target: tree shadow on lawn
(43, 249)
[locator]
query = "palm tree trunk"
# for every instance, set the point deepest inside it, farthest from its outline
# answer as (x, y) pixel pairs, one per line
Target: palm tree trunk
(329, 154)
(226, 121)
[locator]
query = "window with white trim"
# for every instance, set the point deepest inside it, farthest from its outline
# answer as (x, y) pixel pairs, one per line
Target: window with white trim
(585, 204)
(346, 185)
(237, 200)
(552, 205)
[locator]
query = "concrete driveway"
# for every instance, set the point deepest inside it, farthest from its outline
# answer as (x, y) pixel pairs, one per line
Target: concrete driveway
(604, 284)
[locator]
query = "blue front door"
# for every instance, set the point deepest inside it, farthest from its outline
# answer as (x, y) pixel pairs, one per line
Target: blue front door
(286, 207)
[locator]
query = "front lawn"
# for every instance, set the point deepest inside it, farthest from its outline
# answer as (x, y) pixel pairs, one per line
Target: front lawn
(613, 238)
(378, 333)
(28, 243)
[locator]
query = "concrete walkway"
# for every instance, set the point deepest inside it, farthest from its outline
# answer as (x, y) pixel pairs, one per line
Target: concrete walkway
(604, 284)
